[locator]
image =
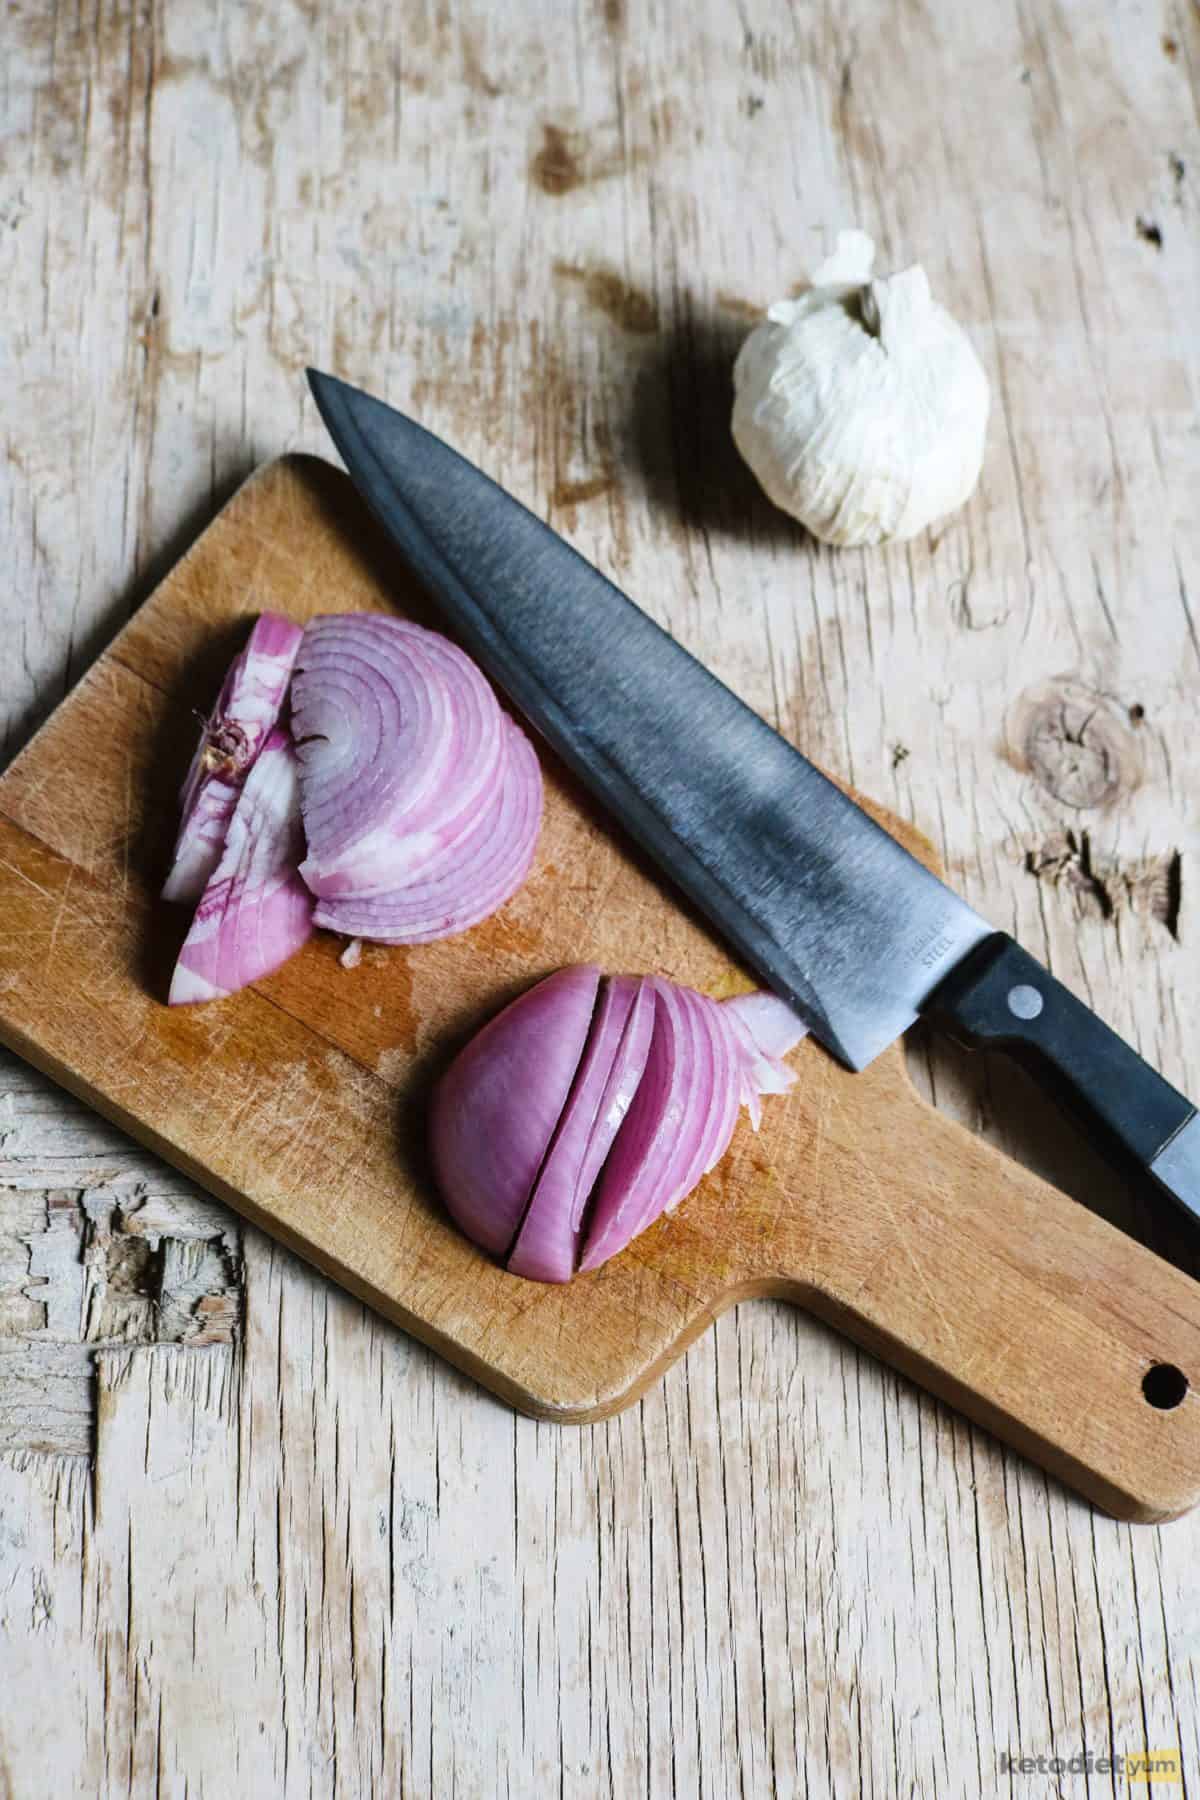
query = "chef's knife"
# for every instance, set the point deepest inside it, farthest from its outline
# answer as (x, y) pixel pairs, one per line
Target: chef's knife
(824, 904)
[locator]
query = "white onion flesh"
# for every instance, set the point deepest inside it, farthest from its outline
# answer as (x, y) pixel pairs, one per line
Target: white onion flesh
(255, 911)
(247, 710)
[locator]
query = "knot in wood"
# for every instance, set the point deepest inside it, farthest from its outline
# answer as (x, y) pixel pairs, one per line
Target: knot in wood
(1075, 742)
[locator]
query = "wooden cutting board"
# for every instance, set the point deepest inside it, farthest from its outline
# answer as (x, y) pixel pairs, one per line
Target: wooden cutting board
(301, 1102)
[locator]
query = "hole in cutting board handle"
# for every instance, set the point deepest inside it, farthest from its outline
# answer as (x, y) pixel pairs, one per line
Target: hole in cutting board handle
(1164, 1386)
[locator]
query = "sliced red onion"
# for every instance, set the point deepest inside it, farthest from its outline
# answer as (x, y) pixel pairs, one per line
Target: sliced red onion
(734, 1060)
(623, 1082)
(663, 1108)
(548, 1242)
(487, 866)
(399, 738)
(656, 1176)
(711, 1075)
(255, 910)
(645, 1109)
(247, 709)
(727, 1090)
(495, 1109)
(201, 838)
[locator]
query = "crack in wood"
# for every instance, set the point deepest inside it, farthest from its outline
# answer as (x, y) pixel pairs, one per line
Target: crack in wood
(94, 1269)
(1107, 887)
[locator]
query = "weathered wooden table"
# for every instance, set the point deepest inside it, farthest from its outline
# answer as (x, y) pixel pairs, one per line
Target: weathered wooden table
(252, 1541)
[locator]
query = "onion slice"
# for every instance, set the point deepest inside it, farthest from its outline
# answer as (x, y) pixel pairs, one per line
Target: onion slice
(735, 1057)
(547, 1243)
(487, 866)
(647, 1143)
(247, 709)
(623, 1082)
(726, 1089)
(255, 910)
(409, 802)
(399, 737)
(495, 1109)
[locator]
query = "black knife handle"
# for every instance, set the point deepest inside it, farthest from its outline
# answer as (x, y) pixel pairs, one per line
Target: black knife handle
(1001, 998)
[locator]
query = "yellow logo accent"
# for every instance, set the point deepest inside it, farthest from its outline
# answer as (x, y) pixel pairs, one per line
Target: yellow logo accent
(1144, 1767)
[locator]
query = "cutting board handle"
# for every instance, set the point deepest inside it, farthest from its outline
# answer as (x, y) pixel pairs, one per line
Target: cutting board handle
(1026, 1311)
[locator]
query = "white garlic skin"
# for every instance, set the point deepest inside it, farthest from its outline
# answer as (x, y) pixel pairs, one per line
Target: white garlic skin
(861, 407)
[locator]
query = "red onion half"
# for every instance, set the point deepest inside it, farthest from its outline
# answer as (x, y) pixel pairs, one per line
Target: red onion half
(255, 910)
(647, 1107)
(247, 708)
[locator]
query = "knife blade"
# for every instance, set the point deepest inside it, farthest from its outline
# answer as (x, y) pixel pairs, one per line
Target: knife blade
(834, 914)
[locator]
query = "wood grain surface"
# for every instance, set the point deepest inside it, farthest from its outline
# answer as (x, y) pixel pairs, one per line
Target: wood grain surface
(303, 1101)
(317, 1560)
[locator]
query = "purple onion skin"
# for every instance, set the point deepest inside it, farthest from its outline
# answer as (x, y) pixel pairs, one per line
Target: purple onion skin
(495, 1109)
(639, 1167)
(547, 1246)
(619, 1095)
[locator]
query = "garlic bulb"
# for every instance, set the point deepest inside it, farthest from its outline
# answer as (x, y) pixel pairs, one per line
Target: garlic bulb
(861, 407)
